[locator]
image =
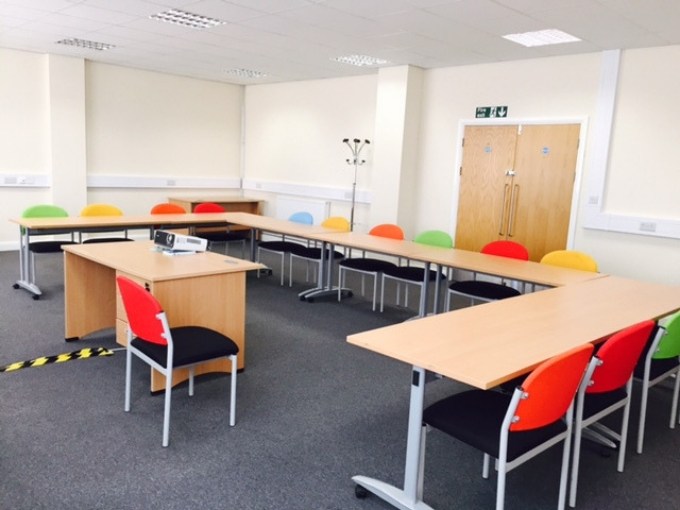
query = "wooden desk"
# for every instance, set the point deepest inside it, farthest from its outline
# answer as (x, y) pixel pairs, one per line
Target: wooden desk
(204, 289)
(487, 344)
(48, 226)
(231, 204)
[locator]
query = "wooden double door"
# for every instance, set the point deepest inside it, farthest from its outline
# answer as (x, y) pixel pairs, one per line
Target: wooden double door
(516, 183)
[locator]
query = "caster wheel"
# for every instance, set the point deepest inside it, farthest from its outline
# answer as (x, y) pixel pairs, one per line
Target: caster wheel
(350, 294)
(36, 297)
(360, 492)
(15, 286)
(302, 298)
(310, 300)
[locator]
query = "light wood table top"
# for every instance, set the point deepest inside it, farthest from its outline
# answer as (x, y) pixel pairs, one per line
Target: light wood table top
(487, 344)
(142, 259)
(276, 225)
(144, 220)
(375, 244)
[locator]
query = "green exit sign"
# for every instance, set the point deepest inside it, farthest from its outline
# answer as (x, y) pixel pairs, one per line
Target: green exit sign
(487, 112)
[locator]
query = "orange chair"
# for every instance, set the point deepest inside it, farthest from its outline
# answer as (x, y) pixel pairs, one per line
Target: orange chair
(164, 208)
(219, 236)
(477, 290)
(103, 210)
(367, 265)
(607, 387)
(151, 339)
(515, 428)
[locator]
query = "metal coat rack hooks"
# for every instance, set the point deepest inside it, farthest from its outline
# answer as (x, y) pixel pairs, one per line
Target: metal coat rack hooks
(356, 146)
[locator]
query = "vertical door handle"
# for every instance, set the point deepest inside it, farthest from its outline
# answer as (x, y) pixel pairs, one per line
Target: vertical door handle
(513, 208)
(505, 198)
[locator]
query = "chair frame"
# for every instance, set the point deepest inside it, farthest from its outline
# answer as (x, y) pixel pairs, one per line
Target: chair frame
(615, 376)
(167, 369)
(212, 207)
(654, 349)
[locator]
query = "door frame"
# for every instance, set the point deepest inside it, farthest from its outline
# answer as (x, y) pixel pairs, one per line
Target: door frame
(580, 159)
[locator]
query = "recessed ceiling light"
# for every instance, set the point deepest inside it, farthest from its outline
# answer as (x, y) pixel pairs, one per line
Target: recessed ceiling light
(541, 38)
(360, 60)
(91, 45)
(245, 73)
(187, 19)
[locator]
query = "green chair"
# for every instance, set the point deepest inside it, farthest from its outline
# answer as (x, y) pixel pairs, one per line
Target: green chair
(415, 275)
(661, 361)
(49, 246)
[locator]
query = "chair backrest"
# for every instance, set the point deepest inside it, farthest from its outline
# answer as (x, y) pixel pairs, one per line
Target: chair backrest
(550, 389)
(509, 249)
(302, 217)
(571, 259)
(336, 222)
(44, 211)
(167, 208)
(434, 238)
(618, 357)
(208, 207)
(388, 230)
(143, 311)
(669, 345)
(101, 210)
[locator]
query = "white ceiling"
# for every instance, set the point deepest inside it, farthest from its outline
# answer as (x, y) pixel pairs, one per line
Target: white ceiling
(295, 39)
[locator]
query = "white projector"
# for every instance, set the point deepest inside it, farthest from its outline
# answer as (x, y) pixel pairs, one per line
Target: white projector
(178, 242)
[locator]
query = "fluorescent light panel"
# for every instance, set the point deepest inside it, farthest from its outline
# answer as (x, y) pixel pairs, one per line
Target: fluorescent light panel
(360, 60)
(187, 19)
(245, 73)
(83, 43)
(541, 38)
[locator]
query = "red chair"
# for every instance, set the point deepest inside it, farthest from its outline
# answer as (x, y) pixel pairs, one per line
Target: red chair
(606, 388)
(150, 338)
(219, 236)
(164, 208)
(514, 428)
(477, 290)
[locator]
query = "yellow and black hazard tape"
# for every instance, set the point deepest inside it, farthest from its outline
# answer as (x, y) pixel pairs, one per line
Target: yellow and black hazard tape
(59, 358)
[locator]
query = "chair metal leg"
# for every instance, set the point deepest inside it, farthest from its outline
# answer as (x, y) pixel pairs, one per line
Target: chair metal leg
(674, 405)
(643, 412)
(128, 377)
(232, 400)
(191, 381)
(166, 410)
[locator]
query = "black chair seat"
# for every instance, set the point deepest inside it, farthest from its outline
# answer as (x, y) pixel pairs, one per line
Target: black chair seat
(475, 417)
(596, 402)
(282, 246)
(106, 240)
(657, 368)
(484, 290)
(368, 265)
(312, 253)
(47, 246)
(192, 344)
(412, 273)
(222, 237)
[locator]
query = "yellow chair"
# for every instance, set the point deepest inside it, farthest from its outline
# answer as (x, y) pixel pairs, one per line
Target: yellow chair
(572, 259)
(102, 210)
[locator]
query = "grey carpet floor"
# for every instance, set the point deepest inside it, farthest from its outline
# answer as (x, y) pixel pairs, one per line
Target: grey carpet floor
(312, 411)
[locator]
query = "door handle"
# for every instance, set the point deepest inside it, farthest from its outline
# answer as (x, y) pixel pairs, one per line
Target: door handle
(505, 198)
(513, 208)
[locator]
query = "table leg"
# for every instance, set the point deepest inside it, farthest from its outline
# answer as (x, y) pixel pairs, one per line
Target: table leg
(26, 271)
(324, 284)
(410, 497)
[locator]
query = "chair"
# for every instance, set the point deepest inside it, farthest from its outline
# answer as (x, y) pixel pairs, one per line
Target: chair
(150, 338)
(51, 246)
(167, 208)
(514, 428)
(416, 275)
(367, 265)
(571, 259)
(283, 247)
(661, 361)
(606, 388)
(314, 253)
(102, 210)
(485, 291)
(219, 236)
